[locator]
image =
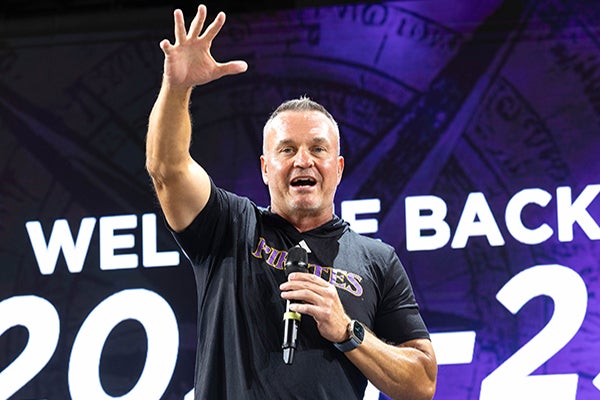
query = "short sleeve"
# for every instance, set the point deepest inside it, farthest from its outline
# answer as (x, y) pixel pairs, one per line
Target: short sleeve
(214, 226)
(398, 319)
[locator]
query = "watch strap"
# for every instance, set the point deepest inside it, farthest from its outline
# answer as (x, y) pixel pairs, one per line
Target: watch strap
(353, 342)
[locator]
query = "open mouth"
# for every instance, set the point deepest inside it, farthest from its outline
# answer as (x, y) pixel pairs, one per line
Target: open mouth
(303, 181)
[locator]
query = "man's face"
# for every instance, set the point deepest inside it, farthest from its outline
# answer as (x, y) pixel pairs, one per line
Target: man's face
(301, 164)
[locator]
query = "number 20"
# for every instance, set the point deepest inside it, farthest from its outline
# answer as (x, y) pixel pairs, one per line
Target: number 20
(41, 319)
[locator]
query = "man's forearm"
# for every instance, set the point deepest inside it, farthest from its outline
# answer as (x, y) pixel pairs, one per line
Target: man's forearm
(169, 132)
(182, 185)
(406, 372)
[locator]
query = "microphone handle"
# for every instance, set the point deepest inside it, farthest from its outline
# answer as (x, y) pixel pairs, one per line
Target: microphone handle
(290, 334)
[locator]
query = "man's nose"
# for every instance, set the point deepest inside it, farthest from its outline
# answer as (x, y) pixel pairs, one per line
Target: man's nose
(303, 159)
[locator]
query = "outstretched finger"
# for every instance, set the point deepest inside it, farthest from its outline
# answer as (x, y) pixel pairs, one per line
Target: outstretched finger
(179, 26)
(232, 67)
(165, 46)
(214, 28)
(197, 22)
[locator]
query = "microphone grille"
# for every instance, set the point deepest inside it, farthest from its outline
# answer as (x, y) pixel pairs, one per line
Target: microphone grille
(297, 260)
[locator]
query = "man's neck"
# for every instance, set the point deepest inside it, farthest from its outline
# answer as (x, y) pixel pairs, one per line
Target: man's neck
(305, 223)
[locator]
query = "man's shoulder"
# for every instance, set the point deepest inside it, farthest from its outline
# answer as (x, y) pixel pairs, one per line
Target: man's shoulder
(368, 243)
(224, 200)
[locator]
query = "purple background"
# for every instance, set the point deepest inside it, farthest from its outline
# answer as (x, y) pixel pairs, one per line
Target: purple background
(432, 97)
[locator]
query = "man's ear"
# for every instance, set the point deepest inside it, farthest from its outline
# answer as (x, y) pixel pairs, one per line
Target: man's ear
(263, 170)
(340, 168)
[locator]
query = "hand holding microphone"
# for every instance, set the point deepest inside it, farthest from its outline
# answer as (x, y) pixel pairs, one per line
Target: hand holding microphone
(297, 261)
(318, 299)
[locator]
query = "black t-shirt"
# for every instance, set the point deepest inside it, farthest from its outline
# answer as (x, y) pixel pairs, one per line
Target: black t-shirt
(238, 253)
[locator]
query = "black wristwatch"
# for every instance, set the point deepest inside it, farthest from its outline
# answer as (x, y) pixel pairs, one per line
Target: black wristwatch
(357, 334)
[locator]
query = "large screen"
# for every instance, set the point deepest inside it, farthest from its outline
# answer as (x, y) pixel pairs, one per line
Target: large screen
(471, 137)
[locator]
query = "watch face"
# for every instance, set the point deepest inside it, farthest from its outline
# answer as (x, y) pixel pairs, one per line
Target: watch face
(358, 330)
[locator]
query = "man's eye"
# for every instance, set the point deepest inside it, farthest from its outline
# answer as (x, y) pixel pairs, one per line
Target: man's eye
(319, 149)
(286, 150)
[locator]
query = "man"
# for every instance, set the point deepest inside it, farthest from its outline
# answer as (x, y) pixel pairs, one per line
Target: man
(238, 252)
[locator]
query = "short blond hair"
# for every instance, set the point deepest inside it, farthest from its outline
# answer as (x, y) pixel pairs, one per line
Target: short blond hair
(303, 103)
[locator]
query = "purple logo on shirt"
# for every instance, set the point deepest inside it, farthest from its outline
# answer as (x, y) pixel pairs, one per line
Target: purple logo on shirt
(339, 278)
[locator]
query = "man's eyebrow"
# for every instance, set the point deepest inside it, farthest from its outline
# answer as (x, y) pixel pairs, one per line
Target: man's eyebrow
(320, 140)
(285, 142)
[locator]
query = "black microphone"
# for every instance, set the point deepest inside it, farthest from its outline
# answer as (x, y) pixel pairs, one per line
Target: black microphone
(297, 261)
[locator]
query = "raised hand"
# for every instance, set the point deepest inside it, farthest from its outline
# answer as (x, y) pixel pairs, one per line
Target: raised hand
(189, 62)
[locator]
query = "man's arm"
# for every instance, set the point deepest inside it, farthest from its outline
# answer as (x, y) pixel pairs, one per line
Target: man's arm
(181, 184)
(407, 371)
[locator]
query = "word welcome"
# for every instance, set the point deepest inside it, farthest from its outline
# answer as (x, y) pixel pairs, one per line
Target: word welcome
(113, 244)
